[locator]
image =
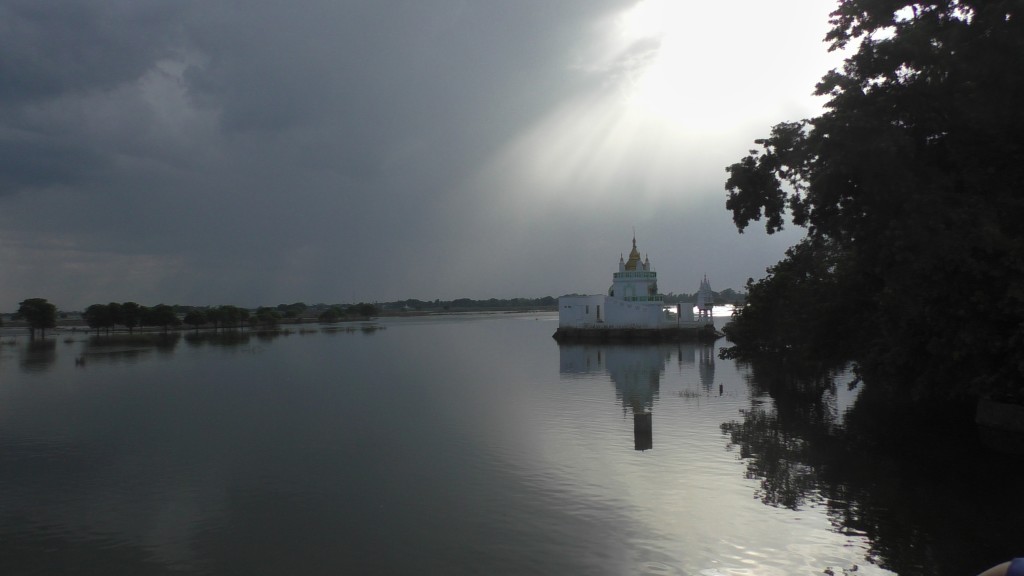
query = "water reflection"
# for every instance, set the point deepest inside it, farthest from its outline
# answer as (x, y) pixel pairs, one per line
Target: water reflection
(636, 371)
(41, 355)
(363, 328)
(38, 355)
(898, 473)
(464, 458)
(126, 347)
(226, 338)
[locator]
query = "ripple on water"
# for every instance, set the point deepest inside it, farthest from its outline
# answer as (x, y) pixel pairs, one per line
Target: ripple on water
(657, 568)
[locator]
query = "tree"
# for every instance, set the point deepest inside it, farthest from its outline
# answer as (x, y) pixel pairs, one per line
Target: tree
(131, 315)
(228, 315)
(38, 313)
(363, 310)
(292, 310)
(195, 318)
(266, 317)
(162, 315)
(332, 314)
(116, 314)
(243, 316)
(97, 316)
(908, 183)
(215, 316)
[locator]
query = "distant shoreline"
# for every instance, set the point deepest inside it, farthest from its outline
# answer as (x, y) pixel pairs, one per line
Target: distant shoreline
(79, 325)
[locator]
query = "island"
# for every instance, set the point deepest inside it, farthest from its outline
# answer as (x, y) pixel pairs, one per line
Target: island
(634, 311)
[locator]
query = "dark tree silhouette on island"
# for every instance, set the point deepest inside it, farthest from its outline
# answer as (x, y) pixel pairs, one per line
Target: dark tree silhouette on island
(38, 314)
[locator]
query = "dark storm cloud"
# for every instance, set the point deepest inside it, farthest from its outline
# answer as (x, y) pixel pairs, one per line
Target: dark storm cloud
(257, 151)
(32, 165)
(51, 51)
(52, 48)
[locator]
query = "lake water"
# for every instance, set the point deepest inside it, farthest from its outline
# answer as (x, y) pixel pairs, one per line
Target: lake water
(447, 445)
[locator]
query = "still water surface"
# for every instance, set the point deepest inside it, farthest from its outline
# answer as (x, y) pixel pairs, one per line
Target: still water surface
(443, 445)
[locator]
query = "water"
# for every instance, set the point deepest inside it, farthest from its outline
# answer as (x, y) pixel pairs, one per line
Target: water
(443, 445)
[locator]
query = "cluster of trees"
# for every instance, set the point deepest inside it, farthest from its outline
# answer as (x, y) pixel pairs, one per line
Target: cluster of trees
(225, 316)
(337, 312)
(469, 303)
(908, 183)
(132, 315)
(294, 310)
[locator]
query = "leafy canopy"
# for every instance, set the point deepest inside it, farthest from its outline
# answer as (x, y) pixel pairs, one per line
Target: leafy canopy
(38, 313)
(909, 188)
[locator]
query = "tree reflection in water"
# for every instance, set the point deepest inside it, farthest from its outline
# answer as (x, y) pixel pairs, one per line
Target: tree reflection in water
(39, 355)
(914, 479)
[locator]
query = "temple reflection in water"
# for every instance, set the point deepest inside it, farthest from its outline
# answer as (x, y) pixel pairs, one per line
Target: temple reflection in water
(636, 372)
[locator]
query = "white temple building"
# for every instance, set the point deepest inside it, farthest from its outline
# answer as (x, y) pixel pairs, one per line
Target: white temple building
(633, 302)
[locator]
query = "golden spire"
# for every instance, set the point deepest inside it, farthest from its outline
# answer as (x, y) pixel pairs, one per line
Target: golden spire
(634, 256)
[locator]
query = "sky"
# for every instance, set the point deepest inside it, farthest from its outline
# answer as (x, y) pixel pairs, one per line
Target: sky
(257, 152)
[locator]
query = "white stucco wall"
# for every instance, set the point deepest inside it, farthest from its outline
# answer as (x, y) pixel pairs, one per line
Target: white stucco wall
(584, 311)
(581, 311)
(625, 314)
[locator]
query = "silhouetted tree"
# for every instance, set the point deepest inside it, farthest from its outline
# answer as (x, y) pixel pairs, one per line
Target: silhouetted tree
(131, 315)
(116, 314)
(97, 316)
(292, 310)
(266, 317)
(38, 314)
(908, 183)
(363, 310)
(232, 315)
(162, 315)
(332, 314)
(195, 318)
(215, 316)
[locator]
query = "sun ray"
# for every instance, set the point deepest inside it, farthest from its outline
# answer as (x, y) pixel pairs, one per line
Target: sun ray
(681, 88)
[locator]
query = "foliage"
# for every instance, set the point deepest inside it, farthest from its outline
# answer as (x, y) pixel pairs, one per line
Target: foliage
(337, 313)
(195, 318)
(908, 183)
(98, 316)
(215, 317)
(332, 314)
(39, 314)
(131, 315)
(787, 314)
(115, 313)
(471, 304)
(292, 310)
(230, 316)
(266, 317)
(363, 310)
(162, 315)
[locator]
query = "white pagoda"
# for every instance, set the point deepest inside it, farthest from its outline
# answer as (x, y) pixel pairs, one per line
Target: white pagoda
(705, 299)
(632, 303)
